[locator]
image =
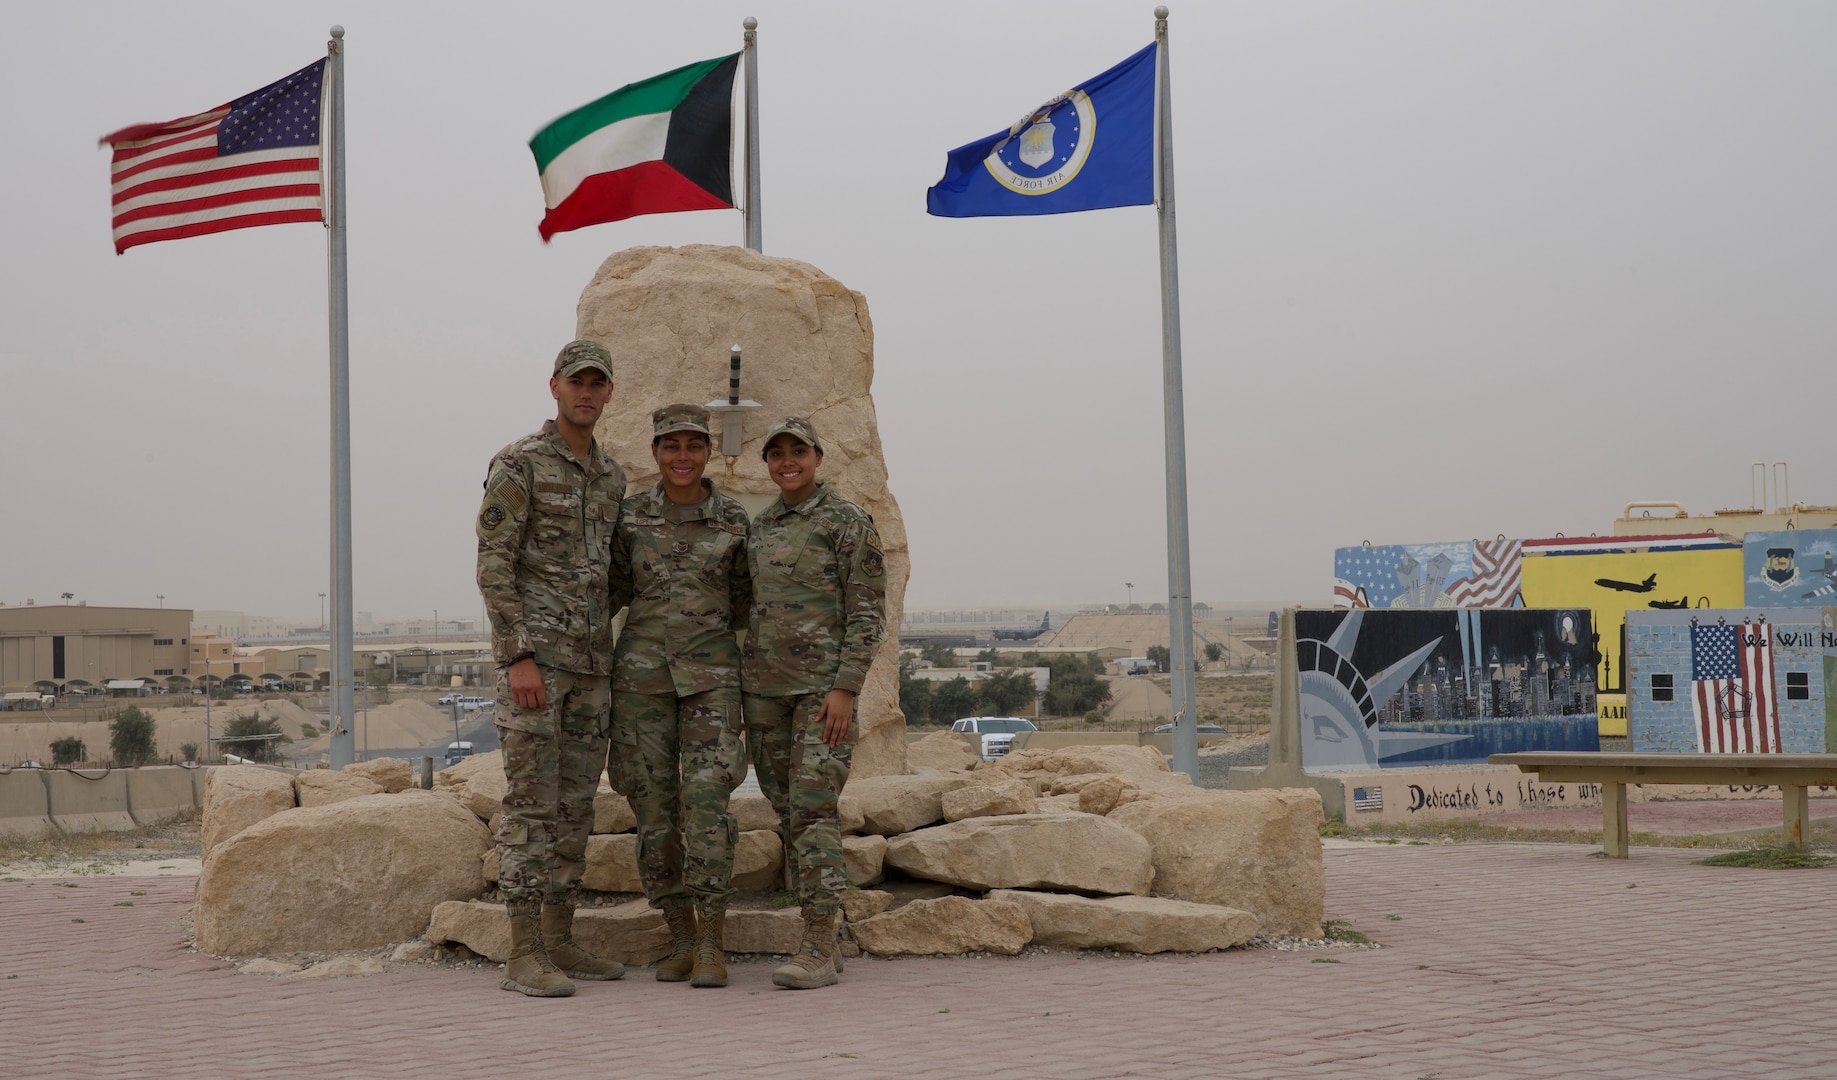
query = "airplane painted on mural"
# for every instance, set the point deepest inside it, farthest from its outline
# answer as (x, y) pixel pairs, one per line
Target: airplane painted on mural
(1830, 579)
(1024, 633)
(1647, 585)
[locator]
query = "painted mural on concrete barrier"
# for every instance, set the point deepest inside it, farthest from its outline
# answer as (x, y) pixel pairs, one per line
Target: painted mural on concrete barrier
(1392, 688)
(1744, 680)
(1461, 573)
(1613, 575)
(1608, 575)
(1792, 568)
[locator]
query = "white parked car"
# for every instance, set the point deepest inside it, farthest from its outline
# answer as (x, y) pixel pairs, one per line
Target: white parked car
(995, 733)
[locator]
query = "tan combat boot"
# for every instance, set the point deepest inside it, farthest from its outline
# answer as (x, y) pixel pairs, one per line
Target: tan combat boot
(528, 970)
(710, 965)
(818, 961)
(676, 966)
(566, 954)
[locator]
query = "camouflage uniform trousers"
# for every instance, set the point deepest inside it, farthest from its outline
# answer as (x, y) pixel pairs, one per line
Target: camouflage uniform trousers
(680, 758)
(553, 758)
(802, 776)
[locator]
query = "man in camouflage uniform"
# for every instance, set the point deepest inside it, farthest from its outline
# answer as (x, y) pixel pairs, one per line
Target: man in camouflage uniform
(679, 561)
(819, 613)
(544, 546)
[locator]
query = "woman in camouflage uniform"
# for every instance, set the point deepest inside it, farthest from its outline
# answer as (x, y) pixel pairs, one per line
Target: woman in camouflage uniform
(819, 613)
(679, 562)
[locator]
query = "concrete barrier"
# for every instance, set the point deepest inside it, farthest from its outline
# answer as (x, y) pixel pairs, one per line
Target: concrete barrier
(159, 793)
(89, 801)
(1165, 743)
(25, 807)
(1059, 740)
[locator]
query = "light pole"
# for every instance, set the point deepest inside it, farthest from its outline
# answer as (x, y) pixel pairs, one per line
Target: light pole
(1130, 585)
(162, 599)
(67, 596)
(436, 628)
(321, 611)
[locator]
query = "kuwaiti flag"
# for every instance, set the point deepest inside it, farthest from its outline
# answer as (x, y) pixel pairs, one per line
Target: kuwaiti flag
(654, 147)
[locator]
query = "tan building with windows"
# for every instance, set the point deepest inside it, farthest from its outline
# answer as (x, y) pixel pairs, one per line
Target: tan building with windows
(56, 645)
(291, 662)
(220, 658)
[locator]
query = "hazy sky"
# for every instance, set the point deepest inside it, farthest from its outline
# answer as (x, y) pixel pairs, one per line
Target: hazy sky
(1448, 269)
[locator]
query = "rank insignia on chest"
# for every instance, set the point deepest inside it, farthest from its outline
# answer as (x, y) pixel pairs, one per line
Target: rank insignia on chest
(679, 547)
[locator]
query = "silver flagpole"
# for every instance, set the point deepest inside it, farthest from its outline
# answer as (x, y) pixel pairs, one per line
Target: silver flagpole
(1179, 564)
(339, 708)
(751, 219)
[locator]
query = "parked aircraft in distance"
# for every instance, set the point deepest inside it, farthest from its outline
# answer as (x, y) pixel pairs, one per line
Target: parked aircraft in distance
(1647, 585)
(1025, 633)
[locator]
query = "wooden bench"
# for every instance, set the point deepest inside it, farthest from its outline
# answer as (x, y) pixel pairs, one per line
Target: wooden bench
(1791, 773)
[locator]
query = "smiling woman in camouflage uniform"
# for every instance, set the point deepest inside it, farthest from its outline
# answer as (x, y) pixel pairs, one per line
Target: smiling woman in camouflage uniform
(544, 530)
(679, 561)
(819, 612)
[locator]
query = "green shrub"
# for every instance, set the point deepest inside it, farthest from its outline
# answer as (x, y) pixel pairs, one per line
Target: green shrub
(309, 731)
(1005, 693)
(1094, 717)
(242, 736)
(68, 751)
(952, 700)
(130, 737)
(914, 698)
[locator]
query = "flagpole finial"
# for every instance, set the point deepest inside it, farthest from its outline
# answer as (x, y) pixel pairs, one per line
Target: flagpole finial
(337, 31)
(1161, 12)
(749, 23)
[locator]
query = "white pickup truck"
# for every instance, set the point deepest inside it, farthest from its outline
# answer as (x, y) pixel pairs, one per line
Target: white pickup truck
(995, 734)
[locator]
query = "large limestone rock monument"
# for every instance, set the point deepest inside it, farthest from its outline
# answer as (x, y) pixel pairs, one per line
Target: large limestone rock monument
(670, 317)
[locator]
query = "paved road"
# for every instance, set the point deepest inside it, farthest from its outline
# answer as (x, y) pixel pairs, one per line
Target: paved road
(1502, 961)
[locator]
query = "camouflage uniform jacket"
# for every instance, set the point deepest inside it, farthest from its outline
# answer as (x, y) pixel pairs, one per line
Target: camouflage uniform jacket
(819, 597)
(544, 550)
(683, 571)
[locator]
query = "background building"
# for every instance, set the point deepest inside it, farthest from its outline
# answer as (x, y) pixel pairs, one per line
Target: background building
(61, 644)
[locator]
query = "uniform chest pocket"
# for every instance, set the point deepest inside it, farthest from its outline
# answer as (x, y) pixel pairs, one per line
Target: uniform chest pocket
(724, 548)
(554, 516)
(816, 563)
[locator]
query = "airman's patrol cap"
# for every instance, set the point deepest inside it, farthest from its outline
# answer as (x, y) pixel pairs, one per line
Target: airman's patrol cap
(795, 426)
(679, 417)
(578, 356)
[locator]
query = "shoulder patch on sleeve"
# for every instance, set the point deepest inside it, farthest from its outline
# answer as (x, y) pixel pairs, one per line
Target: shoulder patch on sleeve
(873, 563)
(504, 501)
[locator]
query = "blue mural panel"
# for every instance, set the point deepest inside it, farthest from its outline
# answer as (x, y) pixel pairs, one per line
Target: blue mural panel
(1683, 698)
(1460, 573)
(1793, 568)
(1396, 687)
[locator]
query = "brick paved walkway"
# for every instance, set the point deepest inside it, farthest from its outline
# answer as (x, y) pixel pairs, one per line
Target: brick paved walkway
(1503, 961)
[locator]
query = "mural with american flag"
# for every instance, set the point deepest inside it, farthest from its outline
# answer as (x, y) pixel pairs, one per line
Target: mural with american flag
(1458, 574)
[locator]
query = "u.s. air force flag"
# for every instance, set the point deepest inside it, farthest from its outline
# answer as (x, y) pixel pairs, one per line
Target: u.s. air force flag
(1089, 148)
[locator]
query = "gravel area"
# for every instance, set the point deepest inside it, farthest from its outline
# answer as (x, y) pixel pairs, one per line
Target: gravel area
(1215, 766)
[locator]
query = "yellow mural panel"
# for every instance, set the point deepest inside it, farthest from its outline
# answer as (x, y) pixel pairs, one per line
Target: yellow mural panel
(1611, 583)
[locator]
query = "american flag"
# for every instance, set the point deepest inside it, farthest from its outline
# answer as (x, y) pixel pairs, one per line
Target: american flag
(1367, 798)
(1348, 595)
(252, 162)
(1495, 575)
(1732, 699)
